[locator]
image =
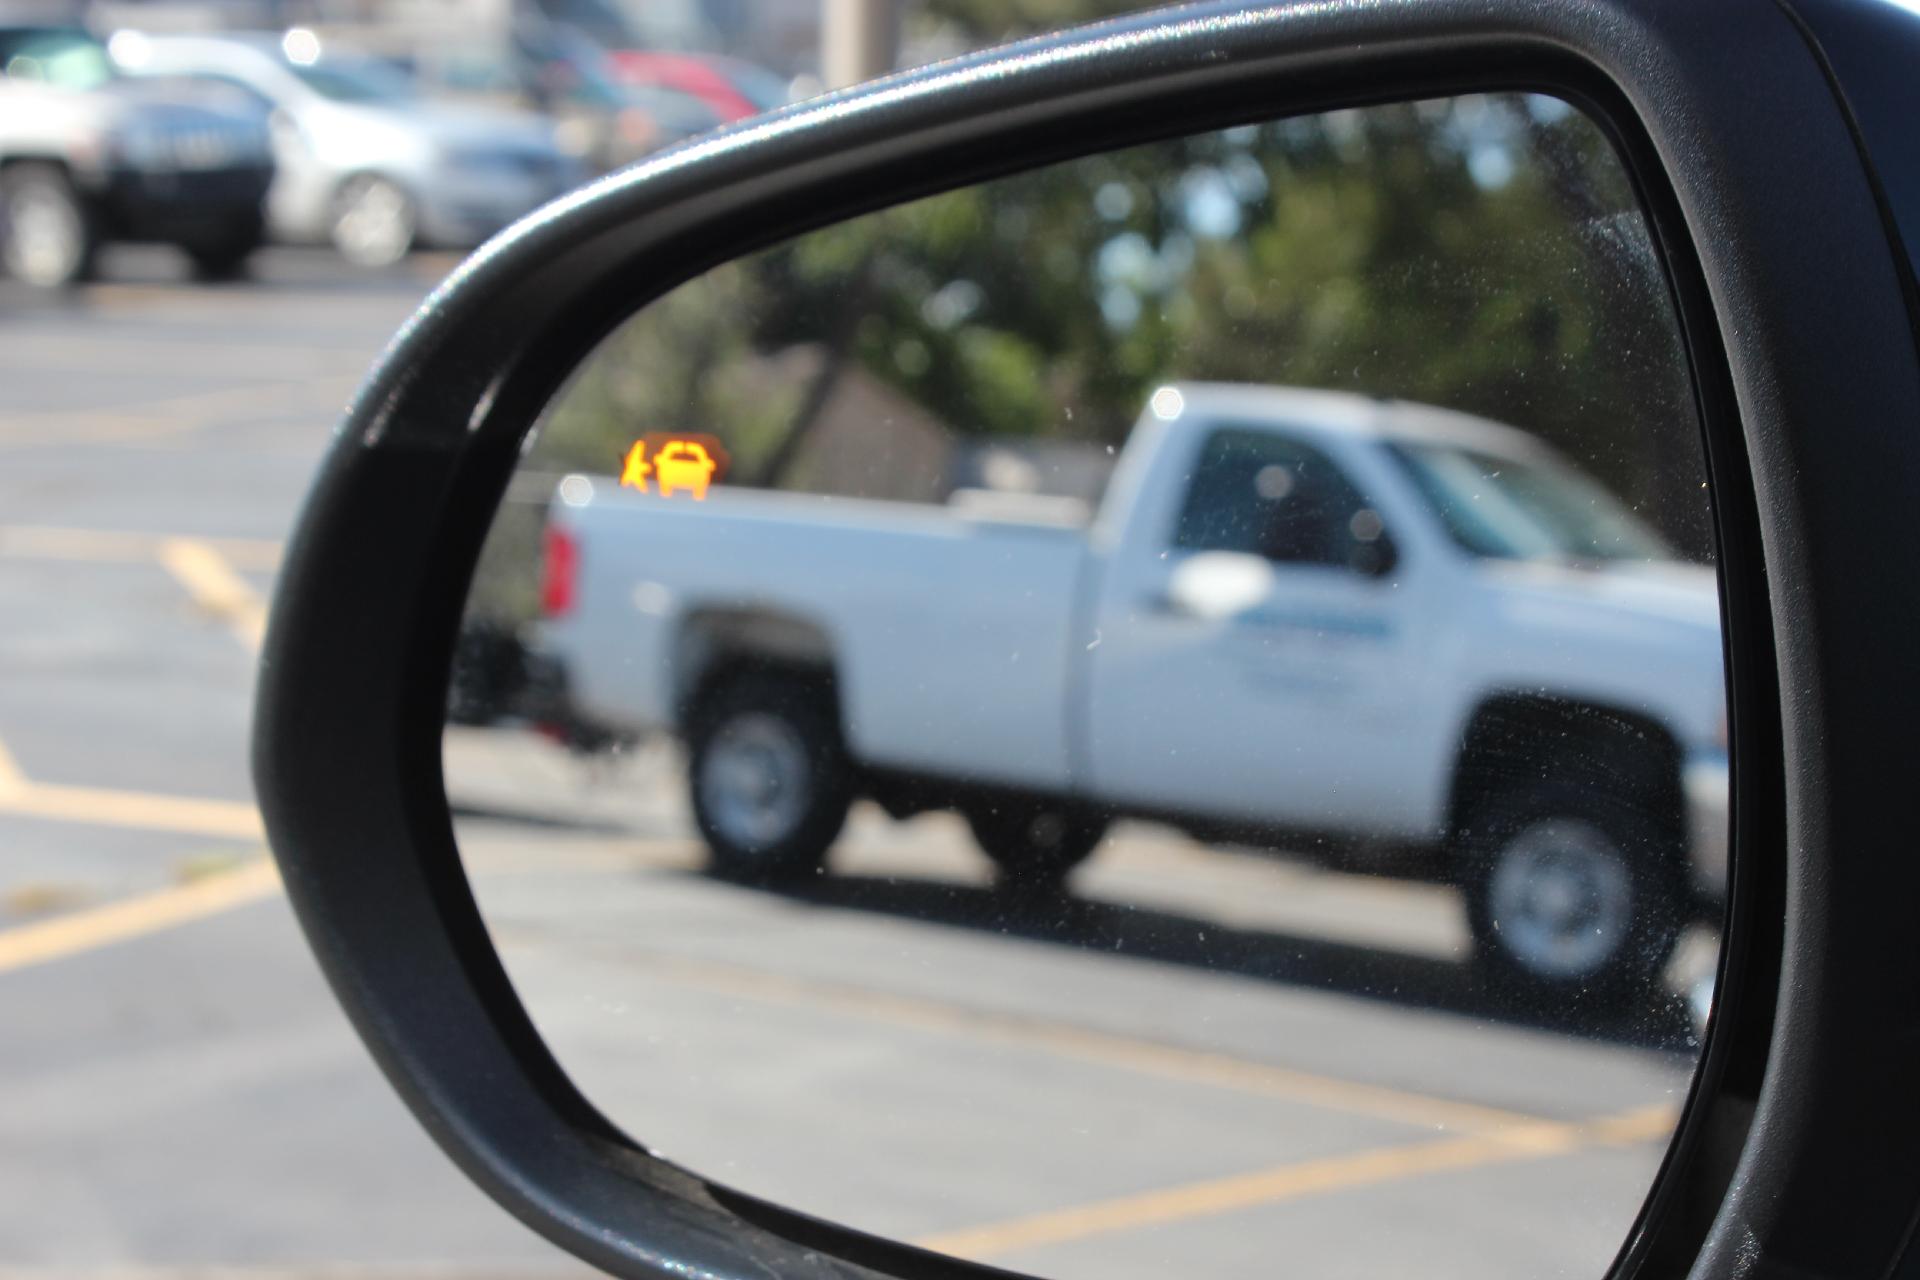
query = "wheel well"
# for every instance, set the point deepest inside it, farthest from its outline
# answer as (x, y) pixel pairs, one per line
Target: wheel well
(716, 645)
(1515, 739)
(56, 164)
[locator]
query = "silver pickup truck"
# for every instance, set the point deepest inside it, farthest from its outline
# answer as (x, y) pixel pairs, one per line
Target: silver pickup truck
(1370, 629)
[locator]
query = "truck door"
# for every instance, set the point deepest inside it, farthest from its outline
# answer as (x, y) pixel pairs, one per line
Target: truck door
(1257, 646)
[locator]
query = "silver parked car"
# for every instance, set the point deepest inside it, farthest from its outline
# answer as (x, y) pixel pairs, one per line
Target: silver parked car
(364, 161)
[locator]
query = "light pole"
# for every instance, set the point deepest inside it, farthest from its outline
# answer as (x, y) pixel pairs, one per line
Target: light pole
(858, 40)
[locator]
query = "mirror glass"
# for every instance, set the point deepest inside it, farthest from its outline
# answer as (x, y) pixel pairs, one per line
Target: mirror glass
(1135, 718)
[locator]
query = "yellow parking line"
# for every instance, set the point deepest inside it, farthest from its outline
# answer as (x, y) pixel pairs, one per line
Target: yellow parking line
(146, 353)
(22, 797)
(13, 783)
(139, 810)
(48, 542)
(88, 930)
(213, 584)
(167, 417)
(1374, 1167)
(1147, 1057)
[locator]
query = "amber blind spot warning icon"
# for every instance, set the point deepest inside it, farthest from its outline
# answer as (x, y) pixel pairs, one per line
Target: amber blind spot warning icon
(672, 465)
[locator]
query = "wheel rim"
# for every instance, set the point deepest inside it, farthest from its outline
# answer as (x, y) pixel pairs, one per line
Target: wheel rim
(375, 225)
(43, 237)
(1561, 898)
(755, 783)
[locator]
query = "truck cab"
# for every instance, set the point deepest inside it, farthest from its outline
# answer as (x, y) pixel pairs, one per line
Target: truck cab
(1350, 581)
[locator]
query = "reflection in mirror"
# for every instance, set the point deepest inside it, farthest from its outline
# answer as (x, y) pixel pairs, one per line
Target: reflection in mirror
(1134, 718)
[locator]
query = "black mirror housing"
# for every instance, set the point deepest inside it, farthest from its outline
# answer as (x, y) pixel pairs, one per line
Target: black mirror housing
(1803, 352)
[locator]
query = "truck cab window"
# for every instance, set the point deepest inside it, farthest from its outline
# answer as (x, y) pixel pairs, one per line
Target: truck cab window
(1534, 508)
(1273, 496)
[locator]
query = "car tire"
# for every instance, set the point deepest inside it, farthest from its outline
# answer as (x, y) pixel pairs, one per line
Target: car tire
(225, 257)
(48, 237)
(374, 221)
(769, 776)
(1035, 844)
(1572, 894)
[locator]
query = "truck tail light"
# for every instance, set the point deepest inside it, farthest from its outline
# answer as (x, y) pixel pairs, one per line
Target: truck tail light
(560, 572)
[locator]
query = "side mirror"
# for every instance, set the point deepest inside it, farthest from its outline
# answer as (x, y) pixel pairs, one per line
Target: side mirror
(1218, 584)
(1375, 556)
(740, 642)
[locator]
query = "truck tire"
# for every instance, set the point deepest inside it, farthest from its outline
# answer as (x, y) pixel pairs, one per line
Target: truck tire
(48, 237)
(769, 776)
(1035, 844)
(1572, 893)
(224, 255)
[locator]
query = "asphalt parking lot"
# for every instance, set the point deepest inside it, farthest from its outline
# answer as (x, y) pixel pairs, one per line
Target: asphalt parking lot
(1203, 1063)
(177, 1089)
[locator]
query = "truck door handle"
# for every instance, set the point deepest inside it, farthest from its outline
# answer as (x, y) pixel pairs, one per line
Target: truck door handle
(1161, 604)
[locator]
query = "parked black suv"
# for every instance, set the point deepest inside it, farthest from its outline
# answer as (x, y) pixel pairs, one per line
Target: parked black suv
(87, 156)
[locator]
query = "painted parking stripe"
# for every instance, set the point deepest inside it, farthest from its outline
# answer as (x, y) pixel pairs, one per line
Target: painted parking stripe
(167, 418)
(136, 810)
(25, 946)
(113, 546)
(1104, 1048)
(22, 797)
(1371, 1168)
(13, 783)
(199, 567)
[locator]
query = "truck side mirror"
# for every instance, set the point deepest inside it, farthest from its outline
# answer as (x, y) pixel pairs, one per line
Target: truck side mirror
(1374, 558)
(1214, 585)
(1373, 553)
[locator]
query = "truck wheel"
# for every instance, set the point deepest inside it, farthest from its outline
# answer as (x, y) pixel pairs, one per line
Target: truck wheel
(1035, 844)
(374, 221)
(224, 256)
(47, 235)
(1570, 892)
(769, 776)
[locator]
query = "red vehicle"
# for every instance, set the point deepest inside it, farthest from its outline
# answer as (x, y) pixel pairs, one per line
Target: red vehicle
(732, 88)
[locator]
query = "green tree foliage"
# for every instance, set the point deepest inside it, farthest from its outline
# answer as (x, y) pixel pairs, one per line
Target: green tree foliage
(985, 22)
(1482, 253)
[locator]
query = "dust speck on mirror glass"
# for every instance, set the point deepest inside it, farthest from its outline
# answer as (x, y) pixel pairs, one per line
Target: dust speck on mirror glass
(1136, 715)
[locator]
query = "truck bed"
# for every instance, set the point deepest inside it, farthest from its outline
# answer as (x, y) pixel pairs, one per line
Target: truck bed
(950, 630)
